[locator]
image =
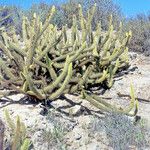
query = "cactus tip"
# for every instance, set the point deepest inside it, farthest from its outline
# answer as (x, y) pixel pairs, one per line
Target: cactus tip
(130, 33)
(53, 8)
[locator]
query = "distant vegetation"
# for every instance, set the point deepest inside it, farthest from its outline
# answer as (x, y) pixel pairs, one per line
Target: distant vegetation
(140, 26)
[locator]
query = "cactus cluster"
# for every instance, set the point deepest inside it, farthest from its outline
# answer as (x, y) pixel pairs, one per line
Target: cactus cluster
(19, 140)
(45, 62)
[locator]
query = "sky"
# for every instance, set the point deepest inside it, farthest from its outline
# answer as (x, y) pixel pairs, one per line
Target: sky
(27, 3)
(129, 7)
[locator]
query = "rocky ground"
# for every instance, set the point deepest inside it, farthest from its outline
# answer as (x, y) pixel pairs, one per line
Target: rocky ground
(71, 123)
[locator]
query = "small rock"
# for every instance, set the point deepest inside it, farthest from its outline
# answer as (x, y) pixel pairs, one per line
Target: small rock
(93, 146)
(75, 99)
(59, 103)
(75, 110)
(133, 68)
(16, 97)
(77, 136)
(133, 55)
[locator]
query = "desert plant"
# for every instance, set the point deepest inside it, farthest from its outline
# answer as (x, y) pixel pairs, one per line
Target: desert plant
(45, 63)
(121, 131)
(69, 9)
(19, 140)
(54, 137)
(103, 105)
(42, 9)
(105, 8)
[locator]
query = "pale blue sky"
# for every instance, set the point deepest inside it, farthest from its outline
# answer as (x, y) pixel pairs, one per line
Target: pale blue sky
(133, 7)
(129, 7)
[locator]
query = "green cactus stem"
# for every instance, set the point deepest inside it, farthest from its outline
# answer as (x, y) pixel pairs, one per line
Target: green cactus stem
(99, 103)
(63, 86)
(6, 69)
(60, 78)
